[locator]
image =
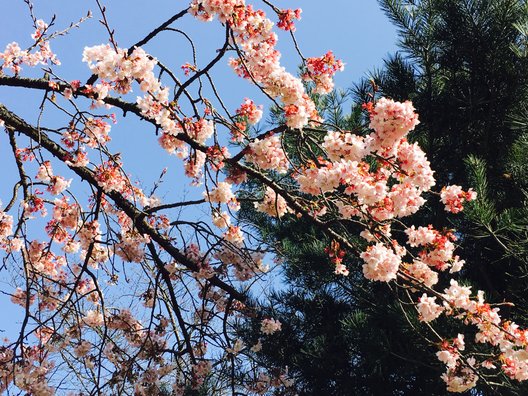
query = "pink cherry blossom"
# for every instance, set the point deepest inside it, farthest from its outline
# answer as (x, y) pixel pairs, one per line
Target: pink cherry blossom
(428, 309)
(381, 263)
(270, 326)
(453, 197)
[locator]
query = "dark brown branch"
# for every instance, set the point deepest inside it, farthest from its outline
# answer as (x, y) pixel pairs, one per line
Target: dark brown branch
(198, 74)
(174, 205)
(137, 216)
(159, 29)
(166, 278)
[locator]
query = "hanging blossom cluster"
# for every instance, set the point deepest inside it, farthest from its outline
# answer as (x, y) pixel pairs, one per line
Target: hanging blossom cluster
(321, 71)
(509, 339)
(381, 263)
(260, 60)
(39, 53)
(268, 154)
(119, 70)
(6, 231)
(247, 114)
(287, 17)
(270, 326)
(392, 190)
(250, 111)
(273, 204)
(56, 184)
(392, 121)
(453, 197)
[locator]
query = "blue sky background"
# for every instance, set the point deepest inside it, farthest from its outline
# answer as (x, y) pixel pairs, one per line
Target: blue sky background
(355, 30)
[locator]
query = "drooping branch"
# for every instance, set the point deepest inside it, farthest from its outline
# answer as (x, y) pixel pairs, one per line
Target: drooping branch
(138, 217)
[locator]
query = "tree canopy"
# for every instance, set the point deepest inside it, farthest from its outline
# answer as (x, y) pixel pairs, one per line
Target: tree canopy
(127, 285)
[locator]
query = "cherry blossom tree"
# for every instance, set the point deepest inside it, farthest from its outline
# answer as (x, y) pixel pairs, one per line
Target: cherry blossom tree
(122, 293)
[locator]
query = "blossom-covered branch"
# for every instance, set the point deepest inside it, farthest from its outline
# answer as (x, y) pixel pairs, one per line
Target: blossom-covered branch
(124, 292)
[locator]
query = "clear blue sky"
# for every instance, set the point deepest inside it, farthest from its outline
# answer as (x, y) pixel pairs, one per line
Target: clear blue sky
(355, 30)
